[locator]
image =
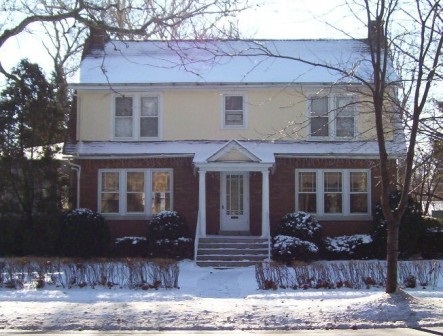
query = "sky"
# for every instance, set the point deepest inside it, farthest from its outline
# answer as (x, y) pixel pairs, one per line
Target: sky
(267, 19)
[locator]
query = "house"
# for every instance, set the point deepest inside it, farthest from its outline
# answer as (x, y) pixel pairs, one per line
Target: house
(226, 135)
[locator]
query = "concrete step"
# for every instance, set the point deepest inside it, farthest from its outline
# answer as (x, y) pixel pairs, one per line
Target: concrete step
(231, 251)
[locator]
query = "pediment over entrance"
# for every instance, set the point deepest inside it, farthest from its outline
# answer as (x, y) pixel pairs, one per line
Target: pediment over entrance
(233, 151)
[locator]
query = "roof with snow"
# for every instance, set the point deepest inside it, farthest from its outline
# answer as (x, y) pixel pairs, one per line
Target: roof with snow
(227, 62)
(263, 152)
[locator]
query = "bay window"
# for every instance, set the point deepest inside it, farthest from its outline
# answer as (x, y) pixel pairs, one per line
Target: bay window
(135, 191)
(327, 192)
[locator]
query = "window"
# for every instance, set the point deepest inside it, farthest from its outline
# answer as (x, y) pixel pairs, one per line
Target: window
(319, 116)
(344, 118)
(233, 111)
(149, 117)
(333, 192)
(123, 117)
(332, 117)
(307, 197)
(125, 191)
(136, 117)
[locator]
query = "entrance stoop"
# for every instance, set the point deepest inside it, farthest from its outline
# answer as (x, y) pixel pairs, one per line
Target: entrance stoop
(231, 251)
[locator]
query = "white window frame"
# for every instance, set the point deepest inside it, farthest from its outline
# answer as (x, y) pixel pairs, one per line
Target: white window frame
(148, 192)
(332, 117)
(223, 111)
(136, 115)
(346, 193)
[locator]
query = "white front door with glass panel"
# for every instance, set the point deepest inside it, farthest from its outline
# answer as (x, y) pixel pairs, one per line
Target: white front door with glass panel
(234, 202)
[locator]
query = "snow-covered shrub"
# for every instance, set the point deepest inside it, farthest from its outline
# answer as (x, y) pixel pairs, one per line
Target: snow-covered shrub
(301, 225)
(357, 246)
(130, 247)
(168, 236)
(84, 233)
(287, 249)
(298, 237)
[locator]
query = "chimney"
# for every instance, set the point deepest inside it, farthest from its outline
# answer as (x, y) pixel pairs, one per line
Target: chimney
(376, 34)
(96, 40)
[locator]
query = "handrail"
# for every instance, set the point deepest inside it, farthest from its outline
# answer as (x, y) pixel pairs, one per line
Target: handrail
(197, 236)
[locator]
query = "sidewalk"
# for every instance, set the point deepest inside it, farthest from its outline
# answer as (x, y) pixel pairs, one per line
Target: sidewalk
(335, 332)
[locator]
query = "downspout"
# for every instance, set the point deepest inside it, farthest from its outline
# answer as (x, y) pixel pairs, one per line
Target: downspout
(78, 170)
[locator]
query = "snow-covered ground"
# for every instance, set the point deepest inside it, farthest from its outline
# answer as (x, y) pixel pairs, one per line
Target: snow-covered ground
(211, 299)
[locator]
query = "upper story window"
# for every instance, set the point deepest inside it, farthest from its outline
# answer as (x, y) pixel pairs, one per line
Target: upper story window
(136, 117)
(233, 111)
(332, 117)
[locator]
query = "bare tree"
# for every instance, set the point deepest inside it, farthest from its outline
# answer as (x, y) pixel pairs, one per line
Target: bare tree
(123, 18)
(405, 61)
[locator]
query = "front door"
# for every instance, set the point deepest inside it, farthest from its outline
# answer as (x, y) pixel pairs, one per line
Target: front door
(234, 202)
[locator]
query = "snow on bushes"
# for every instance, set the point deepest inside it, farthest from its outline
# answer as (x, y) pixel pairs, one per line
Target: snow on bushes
(348, 247)
(168, 236)
(298, 237)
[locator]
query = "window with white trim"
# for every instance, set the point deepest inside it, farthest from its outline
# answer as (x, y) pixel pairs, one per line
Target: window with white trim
(233, 111)
(332, 117)
(327, 192)
(136, 116)
(135, 191)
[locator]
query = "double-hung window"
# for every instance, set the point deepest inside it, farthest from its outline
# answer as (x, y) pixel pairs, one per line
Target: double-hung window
(345, 117)
(233, 111)
(326, 192)
(135, 191)
(319, 109)
(332, 117)
(136, 116)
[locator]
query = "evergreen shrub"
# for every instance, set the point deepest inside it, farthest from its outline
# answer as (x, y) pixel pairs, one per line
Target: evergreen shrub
(357, 246)
(84, 234)
(298, 237)
(168, 237)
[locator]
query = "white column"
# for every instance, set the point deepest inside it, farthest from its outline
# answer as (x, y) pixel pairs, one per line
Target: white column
(265, 229)
(202, 201)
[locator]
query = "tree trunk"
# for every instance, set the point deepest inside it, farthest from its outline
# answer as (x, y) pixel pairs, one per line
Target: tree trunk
(392, 255)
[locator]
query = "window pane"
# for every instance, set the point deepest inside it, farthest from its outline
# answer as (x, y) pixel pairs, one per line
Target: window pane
(149, 106)
(234, 118)
(319, 106)
(345, 107)
(319, 126)
(333, 203)
(344, 127)
(123, 127)
(123, 106)
(307, 202)
(333, 182)
(135, 181)
(110, 202)
(234, 103)
(307, 182)
(110, 182)
(359, 203)
(359, 181)
(109, 192)
(135, 202)
(161, 193)
(149, 127)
